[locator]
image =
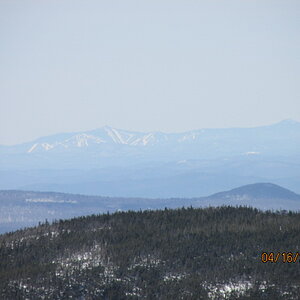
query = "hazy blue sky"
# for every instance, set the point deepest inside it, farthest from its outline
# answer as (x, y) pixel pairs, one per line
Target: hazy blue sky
(146, 65)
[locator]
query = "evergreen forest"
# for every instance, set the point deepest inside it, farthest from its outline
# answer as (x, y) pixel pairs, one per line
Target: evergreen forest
(186, 253)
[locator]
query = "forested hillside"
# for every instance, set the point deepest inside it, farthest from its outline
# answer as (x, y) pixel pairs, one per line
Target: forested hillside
(212, 253)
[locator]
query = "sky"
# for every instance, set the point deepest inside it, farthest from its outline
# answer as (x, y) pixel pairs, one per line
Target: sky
(168, 66)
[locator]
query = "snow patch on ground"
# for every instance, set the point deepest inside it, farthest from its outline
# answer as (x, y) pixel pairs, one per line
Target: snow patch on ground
(222, 291)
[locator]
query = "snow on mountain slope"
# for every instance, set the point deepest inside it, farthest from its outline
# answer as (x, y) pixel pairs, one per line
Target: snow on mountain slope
(282, 138)
(105, 135)
(79, 140)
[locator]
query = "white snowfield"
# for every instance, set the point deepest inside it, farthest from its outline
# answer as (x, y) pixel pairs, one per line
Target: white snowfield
(48, 200)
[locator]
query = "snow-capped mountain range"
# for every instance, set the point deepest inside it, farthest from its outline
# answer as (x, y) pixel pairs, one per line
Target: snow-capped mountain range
(105, 135)
(110, 161)
(255, 139)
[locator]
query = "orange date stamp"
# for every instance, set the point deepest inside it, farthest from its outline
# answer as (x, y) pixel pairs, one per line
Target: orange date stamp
(283, 257)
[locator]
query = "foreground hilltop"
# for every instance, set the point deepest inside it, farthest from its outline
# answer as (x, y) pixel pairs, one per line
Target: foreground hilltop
(212, 253)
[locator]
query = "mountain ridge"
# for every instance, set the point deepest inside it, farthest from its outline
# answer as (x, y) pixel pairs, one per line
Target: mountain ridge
(116, 134)
(282, 138)
(27, 208)
(259, 190)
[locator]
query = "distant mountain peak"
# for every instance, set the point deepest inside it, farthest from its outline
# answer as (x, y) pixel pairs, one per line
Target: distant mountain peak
(288, 122)
(262, 190)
